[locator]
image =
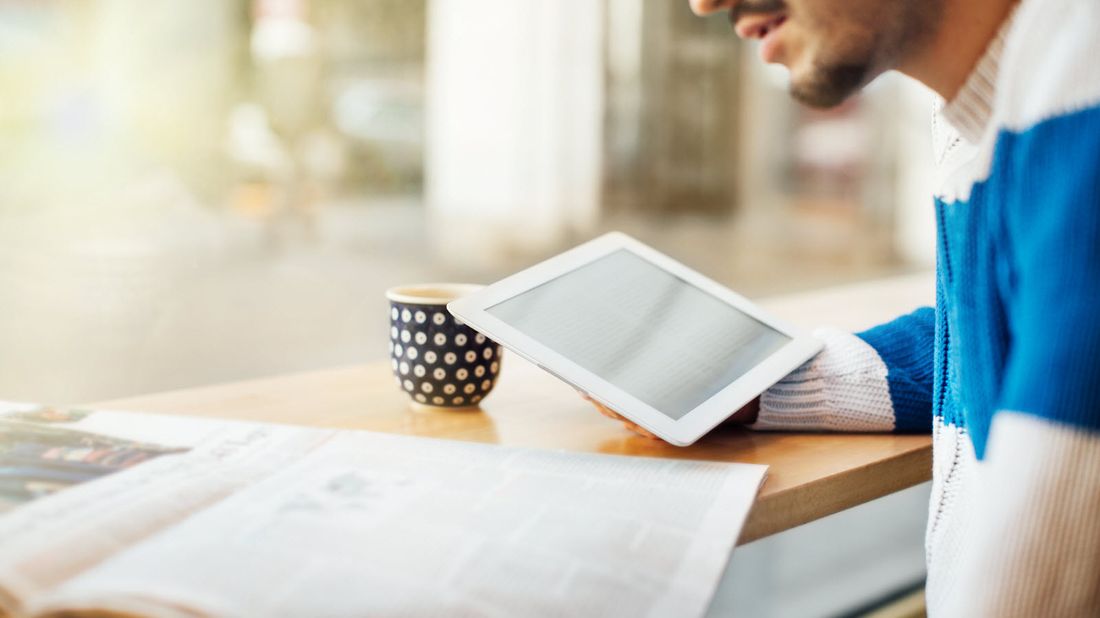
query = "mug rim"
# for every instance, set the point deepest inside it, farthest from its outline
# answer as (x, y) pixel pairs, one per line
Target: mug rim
(422, 293)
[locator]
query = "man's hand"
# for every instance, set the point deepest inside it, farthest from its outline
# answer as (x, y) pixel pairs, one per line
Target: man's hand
(744, 416)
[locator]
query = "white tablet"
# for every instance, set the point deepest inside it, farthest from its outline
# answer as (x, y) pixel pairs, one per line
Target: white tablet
(648, 337)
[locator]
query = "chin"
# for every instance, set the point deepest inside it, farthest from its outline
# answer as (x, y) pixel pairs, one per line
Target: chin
(818, 98)
(829, 86)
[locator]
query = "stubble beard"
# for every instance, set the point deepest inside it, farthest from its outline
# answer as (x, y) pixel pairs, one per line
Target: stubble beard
(832, 80)
(830, 84)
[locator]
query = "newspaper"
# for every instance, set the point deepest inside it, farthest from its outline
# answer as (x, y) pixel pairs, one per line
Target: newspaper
(220, 518)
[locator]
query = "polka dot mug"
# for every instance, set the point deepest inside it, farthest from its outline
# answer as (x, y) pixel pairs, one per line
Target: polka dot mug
(439, 361)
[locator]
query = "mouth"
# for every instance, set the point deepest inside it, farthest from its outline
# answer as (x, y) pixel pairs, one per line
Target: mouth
(766, 28)
(759, 26)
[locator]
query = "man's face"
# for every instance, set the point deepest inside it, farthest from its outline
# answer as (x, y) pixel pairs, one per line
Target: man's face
(831, 47)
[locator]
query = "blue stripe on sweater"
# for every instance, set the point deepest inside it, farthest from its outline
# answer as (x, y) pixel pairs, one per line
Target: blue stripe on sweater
(906, 346)
(1053, 301)
(1019, 274)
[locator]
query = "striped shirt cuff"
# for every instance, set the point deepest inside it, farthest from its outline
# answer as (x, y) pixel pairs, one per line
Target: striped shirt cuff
(843, 388)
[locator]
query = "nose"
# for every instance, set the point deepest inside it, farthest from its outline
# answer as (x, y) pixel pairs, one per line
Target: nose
(708, 7)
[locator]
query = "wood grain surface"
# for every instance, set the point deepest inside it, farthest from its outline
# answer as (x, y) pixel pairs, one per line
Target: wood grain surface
(810, 475)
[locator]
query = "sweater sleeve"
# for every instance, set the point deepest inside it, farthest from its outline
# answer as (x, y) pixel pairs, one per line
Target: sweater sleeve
(877, 380)
(1038, 547)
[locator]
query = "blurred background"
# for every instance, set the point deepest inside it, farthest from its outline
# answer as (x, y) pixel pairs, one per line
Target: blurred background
(204, 191)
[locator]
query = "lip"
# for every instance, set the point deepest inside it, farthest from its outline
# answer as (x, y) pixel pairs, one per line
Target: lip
(770, 41)
(765, 27)
(759, 26)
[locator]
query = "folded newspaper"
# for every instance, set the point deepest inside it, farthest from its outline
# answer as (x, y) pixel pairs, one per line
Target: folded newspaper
(112, 513)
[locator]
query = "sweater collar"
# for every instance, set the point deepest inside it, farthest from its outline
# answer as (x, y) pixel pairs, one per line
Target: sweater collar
(971, 109)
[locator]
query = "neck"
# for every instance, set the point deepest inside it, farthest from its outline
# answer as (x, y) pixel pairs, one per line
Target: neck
(949, 55)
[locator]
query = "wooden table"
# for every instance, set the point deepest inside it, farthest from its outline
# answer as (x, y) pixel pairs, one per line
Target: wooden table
(810, 476)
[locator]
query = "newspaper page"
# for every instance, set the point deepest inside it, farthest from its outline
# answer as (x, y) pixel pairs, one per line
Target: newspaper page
(77, 487)
(384, 525)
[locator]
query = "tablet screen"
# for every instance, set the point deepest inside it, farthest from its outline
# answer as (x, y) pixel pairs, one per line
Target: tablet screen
(648, 332)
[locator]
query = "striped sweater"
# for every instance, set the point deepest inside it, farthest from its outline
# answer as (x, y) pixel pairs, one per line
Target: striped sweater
(1005, 370)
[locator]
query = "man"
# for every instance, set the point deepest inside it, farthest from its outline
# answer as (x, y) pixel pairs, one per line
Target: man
(1006, 369)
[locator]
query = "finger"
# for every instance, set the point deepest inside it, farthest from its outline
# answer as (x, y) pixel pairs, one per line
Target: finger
(642, 431)
(601, 408)
(604, 410)
(608, 412)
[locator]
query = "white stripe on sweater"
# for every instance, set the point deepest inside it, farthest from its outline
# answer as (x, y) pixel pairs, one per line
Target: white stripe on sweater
(1043, 69)
(1032, 547)
(1050, 64)
(950, 511)
(843, 388)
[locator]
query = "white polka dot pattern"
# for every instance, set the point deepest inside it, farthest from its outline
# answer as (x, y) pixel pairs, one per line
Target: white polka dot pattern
(460, 367)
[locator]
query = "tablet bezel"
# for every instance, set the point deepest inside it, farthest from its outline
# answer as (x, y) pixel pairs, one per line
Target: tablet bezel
(695, 423)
